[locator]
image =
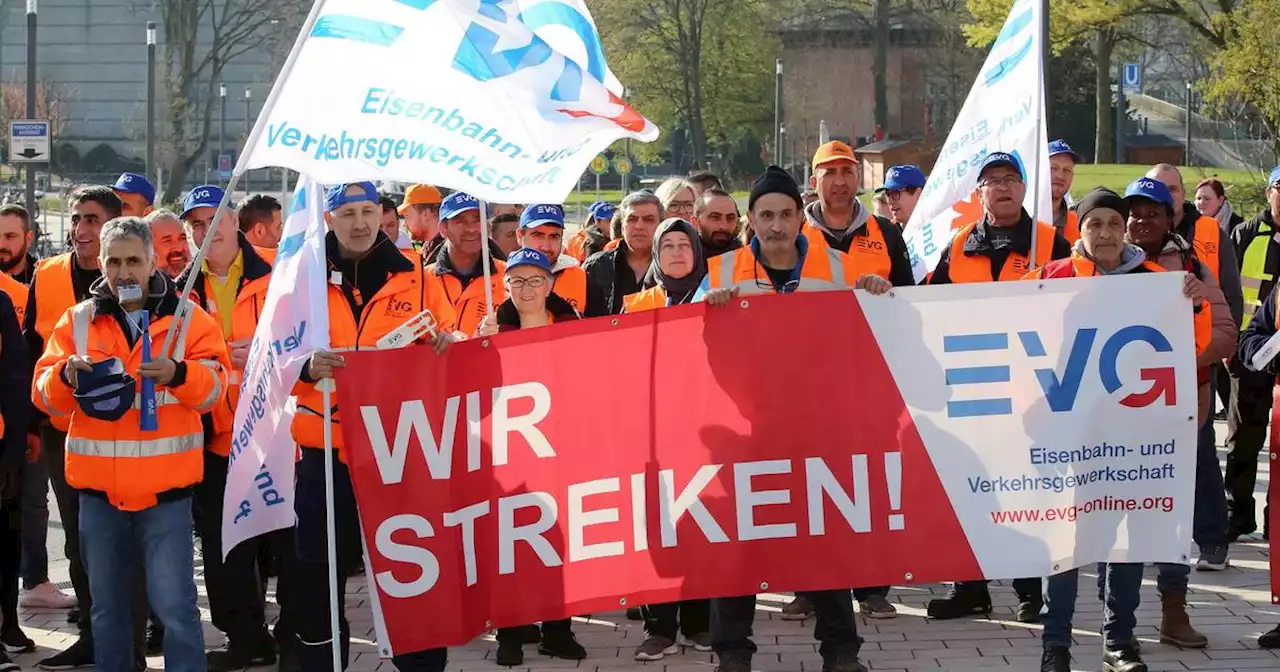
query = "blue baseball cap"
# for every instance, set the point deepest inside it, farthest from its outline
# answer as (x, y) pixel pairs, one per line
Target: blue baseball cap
(1275, 176)
(457, 203)
(133, 183)
(1061, 147)
(1150, 189)
(106, 392)
(538, 215)
(336, 196)
(203, 196)
(996, 159)
(527, 256)
(902, 177)
(602, 210)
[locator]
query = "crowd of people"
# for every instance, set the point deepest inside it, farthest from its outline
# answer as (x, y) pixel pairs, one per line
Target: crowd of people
(75, 327)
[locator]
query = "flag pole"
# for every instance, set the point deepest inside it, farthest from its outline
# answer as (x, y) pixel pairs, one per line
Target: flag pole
(259, 125)
(485, 259)
(1040, 145)
(326, 386)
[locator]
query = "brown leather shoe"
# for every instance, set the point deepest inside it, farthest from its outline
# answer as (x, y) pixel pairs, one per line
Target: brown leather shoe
(1175, 624)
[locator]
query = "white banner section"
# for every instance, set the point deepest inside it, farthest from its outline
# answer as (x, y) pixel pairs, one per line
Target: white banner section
(294, 324)
(508, 101)
(1060, 415)
(1003, 113)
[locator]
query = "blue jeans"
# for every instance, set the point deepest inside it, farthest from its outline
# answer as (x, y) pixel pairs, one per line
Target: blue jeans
(1123, 581)
(108, 537)
(35, 524)
(1209, 515)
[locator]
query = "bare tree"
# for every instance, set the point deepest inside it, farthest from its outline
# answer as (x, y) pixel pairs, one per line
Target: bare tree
(201, 38)
(51, 103)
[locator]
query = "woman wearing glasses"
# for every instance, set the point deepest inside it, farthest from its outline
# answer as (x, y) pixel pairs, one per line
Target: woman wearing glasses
(677, 197)
(530, 302)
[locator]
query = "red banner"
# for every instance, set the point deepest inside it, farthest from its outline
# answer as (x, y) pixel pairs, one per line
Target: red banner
(640, 459)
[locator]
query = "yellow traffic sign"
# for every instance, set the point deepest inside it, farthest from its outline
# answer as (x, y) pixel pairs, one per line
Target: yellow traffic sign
(599, 165)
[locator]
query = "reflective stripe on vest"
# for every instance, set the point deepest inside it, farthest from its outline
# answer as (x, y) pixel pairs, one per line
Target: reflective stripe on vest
(123, 448)
(728, 261)
(1253, 272)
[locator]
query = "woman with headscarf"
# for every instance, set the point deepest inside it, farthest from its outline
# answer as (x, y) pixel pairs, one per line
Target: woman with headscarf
(676, 271)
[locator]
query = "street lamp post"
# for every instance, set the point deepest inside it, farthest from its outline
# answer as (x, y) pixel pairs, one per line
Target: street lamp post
(1188, 157)
(31, 101)
(248, 103)
(222, 123)
(782, 142)
(777, 112)
(151, 100)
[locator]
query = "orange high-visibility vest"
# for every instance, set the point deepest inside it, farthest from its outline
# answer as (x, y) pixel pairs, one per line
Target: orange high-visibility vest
(570, 284)
(977, 267)
(650, 299)
(129, 466)
(469, 306)
(1207, 239)
(824, 269)
(17, 293)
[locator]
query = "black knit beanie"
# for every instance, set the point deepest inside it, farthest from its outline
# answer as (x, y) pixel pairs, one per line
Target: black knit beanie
(1102, 198)
(775, 181)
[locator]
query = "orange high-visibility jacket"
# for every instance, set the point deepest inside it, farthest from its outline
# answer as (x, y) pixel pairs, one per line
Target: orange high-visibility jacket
(250, 298)
(650, 299)
(570, 284)
(407, 292)
(468, 302)
(17, 293)
(131, 467)
(977, 267)
(822, 268)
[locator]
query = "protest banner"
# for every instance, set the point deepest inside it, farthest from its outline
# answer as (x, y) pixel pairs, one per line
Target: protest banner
(508, 102)
(1011, 429)
(1004, 112)
(294, 323)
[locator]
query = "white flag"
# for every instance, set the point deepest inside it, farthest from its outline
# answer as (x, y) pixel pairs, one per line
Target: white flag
(508, 100)
(1003, 113)
(294, 324)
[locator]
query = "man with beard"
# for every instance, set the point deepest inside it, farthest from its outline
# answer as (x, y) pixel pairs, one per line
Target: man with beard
(261, 221)
(137, 195)
(1062, 173)
(16, 238)
(421, 211)
(716, 217)
(173, 252)
(541, 228)
(838, 220)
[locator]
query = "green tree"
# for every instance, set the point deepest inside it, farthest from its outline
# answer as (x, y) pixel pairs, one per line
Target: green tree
(706, 65)
(1247, 69)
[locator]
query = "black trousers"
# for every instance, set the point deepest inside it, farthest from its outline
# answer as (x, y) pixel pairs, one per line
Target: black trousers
(688, 617)
(233, 585)
(53, 452)
(1027, 590)
(10, 557)
(311, 617)
(836, 628)
(1247, 420)
(553, 628)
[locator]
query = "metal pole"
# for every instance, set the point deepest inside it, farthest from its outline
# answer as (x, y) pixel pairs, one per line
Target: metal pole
(1187, 159)
(151, 101)
(222, 123)
(626, 149)
(31, 105)
(781, 157)
(1046, 52)
(777, 112)
(248, 110)
(1120, 113)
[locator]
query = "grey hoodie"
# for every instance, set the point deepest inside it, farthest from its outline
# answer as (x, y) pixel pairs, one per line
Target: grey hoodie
(1130, 258)
(813, 214)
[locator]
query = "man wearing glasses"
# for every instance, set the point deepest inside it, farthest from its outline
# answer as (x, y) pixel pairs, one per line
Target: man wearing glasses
(839, 221)
(996, 248)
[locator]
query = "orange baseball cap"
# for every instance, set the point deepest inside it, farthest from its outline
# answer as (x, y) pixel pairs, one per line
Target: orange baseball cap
(420, 194)
(833, 151)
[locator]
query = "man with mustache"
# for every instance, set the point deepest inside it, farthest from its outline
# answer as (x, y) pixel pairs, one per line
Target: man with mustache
(173, 252)
(838, 220)
(457, 265)
(717, 219)
(996, 248)
(16, 238)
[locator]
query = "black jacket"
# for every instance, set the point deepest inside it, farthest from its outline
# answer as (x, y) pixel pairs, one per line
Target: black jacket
(15, 386)
(561, 311)
(603, 297)
(1261, 328)
(977, 244)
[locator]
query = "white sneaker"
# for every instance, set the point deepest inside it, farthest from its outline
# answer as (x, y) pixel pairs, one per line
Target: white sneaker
(46, 596)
